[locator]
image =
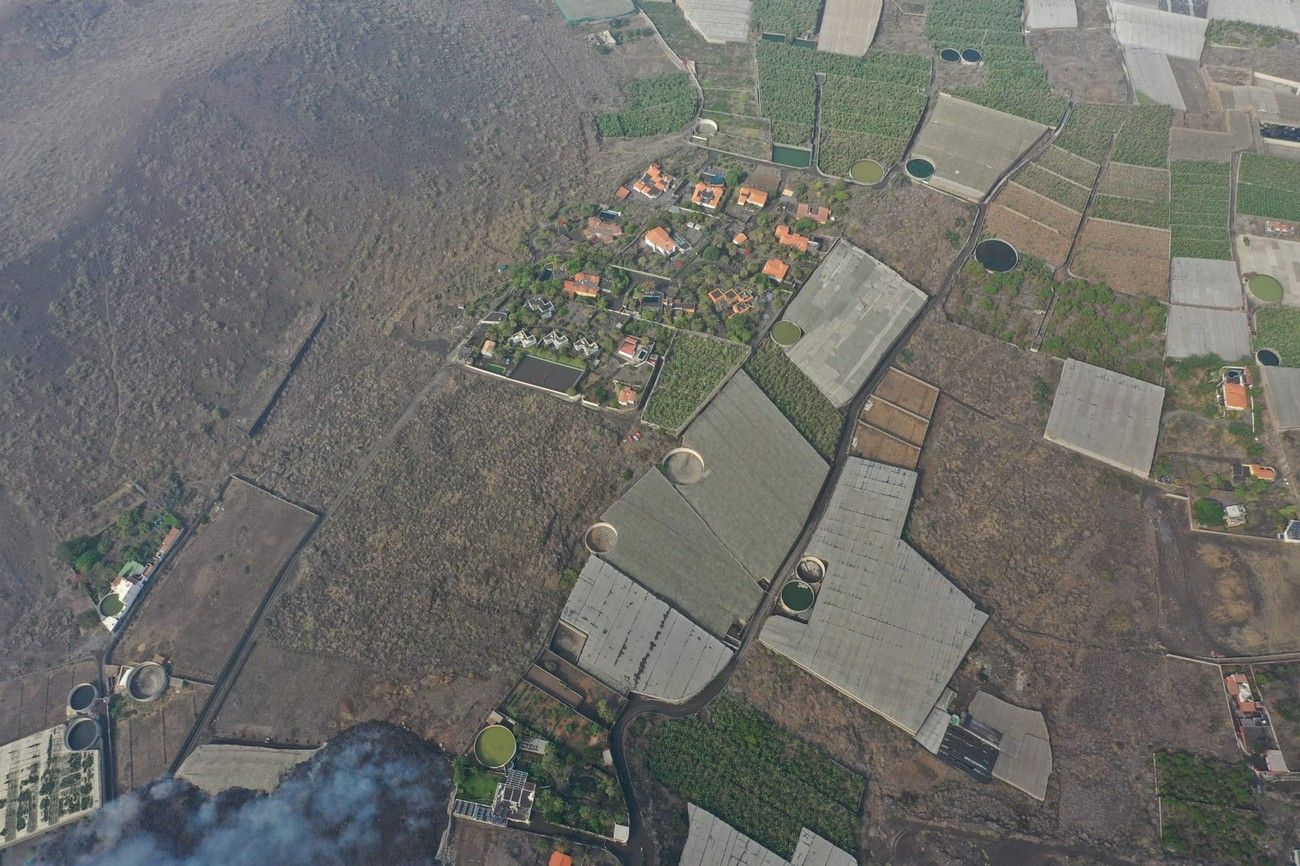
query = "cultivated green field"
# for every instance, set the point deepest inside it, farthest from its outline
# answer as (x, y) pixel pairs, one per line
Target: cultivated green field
(1198, 210)
(1269, 186)
(660, 104)
(797, 397)
(1140, 133)
(757, 777)
(789, 17)
(1278, 328)
(695, 366)
(1208, 810)
(1057, 188)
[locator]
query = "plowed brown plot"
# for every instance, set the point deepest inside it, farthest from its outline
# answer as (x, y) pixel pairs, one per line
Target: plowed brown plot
(873, 444)
(1033, 224)
(1128, 258)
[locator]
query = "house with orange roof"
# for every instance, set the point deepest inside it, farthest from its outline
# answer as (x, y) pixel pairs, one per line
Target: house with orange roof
(1234, 396)
(653, 182)
(820, 214)
(776, 269)
(599, 230)
(559, 858)
(1263, 473)
(626, 395)
(582, 286)
(747, 195)
(740, 239)
(1238, 686)
(658, 240)
(788, 238)
(708, 195)
(623, 193)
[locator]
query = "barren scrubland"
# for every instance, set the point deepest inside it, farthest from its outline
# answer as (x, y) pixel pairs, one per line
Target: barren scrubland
(193, 197)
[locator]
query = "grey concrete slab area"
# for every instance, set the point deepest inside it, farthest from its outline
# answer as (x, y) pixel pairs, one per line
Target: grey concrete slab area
(635, 642)
(1200, 331)
(850, 311)
(972, 146)
(886, 628)
(1205, 283)
(1107, 416)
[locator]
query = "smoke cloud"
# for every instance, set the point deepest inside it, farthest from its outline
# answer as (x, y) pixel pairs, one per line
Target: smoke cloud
(376, 794)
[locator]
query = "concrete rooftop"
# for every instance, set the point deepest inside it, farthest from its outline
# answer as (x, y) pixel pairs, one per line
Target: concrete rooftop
(850, 310)
(634, 641)
(1107, 416)
(972, 146)
(712, 842)
(216, 767)
(886, 627)
(1205, 283)
(1024, 752)
(1200, 331)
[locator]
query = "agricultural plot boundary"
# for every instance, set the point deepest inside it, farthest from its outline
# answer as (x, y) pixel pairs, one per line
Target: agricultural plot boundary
(1268, 186)
(1199, 210)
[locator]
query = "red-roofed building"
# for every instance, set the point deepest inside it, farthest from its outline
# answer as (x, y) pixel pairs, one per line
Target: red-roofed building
(582, 286)
(1234, 396)
(559, 858)
(776, 269)
(627, 349)
(660, 241)
(740, 239)
(653, 182)
(599, 230)
(623, 192)
(820, 214)
(1238, 686)
(708, 195)
(787, 238)
(748, 195)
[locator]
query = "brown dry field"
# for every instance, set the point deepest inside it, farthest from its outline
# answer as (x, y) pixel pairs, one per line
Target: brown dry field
(149, 736)
(1084, 62)
(426, 595)
(1128, 258)
(917, 230)
(994, 377)
(208, 594)
(875, 445)
(476, 844)
(1033, 224)
(903, 390)
(1281, 59)
(895, 421)
(39, 700)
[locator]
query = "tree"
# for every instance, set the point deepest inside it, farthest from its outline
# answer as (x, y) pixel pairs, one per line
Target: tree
(1208, 512)
(70, 549)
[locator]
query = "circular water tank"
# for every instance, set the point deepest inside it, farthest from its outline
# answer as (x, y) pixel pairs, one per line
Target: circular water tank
(683, 466)
(797, 596)
(811, 569)
(600, 538)
(146, 682)
(81, 736)
(82, 697)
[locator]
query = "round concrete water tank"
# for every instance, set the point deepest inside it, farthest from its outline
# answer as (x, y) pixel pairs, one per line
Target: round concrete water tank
(82, 735)
(811, 569)
(82, 697)
(600, 538)
(797, 596)
(684, 466)
(146, 682)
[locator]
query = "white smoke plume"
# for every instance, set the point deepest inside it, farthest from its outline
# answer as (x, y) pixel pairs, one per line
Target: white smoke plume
(374, 795)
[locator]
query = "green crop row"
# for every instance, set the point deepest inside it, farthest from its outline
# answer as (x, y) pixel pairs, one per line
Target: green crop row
(1144, 136)
(880, 109)
(1131, 210)
(1017, 85)
(839, 149)
(1198, 210)
(757, 777)
(1131, 181)
(1140, 133)
(797, 397)
(695, 366)
(1269, 186)
(974, 23)
(1053, 186)
(660, 104)
(1278, 328)
(788, 17)
(1067, 165)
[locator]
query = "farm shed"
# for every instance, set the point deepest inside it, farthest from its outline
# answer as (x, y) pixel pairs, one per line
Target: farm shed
(718, 20)
(1107, 416)
(848, 26)
(1153, 77)
(1277, 258)
(1268, 13)
(1166, 32)
(1205, 283)
(216, 767)
(1282, 389)
(635, 642)
(851, 310)
(886, 628)
(1024, 753)
(971, 146)
(1198, 331)
(712, 842)
(1050, 14)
